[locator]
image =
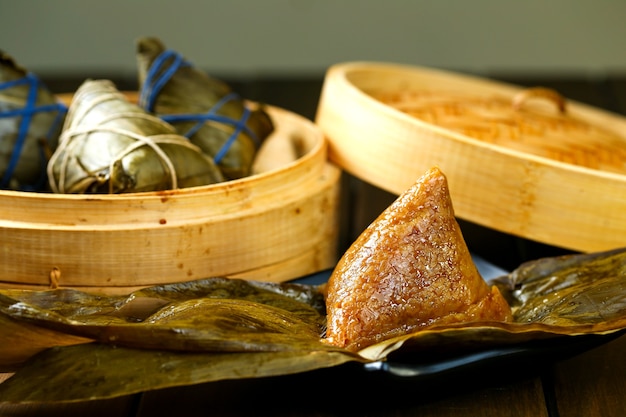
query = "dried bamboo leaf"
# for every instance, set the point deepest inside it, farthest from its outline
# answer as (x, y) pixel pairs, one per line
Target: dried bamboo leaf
(216, 314)
(109, 145)
(553, 298)
(571, 290)
(21, 341)
(202, 108)
(30, 124)
(90, 372)
(275, 329)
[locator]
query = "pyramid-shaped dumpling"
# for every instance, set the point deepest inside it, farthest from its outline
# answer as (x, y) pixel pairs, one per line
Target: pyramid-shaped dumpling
(409, 270)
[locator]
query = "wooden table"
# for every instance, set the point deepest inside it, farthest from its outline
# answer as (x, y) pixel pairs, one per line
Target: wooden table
(592, 383)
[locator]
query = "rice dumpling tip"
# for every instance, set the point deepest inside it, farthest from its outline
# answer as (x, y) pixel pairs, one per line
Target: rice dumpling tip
(158, 75)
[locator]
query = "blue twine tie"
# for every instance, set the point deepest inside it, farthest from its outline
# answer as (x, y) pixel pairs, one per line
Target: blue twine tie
(26, 113)
(154, 83)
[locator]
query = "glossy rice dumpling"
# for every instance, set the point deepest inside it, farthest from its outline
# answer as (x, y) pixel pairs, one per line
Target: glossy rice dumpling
(30, 123)
(408, 271)
(110, 145)
(202, 108)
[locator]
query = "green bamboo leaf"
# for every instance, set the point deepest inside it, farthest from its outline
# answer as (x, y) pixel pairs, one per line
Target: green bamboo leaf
(218, 324)
(582, 289)
(217, 314)
(96, 371)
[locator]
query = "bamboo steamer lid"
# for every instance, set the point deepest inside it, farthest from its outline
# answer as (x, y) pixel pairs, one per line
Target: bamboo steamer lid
(522, 161)
(275, 225)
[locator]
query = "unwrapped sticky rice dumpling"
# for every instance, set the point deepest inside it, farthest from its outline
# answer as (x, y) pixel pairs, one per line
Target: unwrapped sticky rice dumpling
(409, 270)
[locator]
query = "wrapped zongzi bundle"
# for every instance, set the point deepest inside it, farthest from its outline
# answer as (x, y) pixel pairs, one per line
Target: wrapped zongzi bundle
(30, 123)
(202, 108)
(110, 145)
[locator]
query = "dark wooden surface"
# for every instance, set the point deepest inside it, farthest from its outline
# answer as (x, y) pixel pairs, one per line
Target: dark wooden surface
(591, 383)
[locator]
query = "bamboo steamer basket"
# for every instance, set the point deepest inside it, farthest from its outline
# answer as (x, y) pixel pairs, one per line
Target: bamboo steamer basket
(275, 225)
(567, 188)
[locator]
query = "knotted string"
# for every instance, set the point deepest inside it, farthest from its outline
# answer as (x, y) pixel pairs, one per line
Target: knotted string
(154, 83)
(73, 129)
(26, 113)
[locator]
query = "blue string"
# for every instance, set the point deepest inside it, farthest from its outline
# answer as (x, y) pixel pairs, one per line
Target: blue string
(27, 113)
(153, 84)
(211, 115)
(240, 125)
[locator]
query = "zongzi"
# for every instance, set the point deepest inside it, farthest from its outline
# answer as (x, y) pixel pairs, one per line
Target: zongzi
(409, 270)
(202, 108)
(30, 123)
(110, 145)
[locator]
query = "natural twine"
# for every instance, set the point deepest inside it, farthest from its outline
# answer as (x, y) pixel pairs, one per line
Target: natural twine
(74, 117)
